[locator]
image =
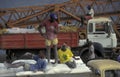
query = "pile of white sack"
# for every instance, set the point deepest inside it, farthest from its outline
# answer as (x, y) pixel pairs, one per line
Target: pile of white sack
(21, 30)
(50, 69)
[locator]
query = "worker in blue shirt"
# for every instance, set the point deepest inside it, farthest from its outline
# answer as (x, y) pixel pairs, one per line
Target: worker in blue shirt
(40, 64)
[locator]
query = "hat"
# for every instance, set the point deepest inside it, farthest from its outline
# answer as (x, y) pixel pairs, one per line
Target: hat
(88, 7)
(53, 16)
(63, 48)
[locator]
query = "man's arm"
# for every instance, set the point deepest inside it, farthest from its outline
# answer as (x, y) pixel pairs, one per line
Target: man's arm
(42, 29)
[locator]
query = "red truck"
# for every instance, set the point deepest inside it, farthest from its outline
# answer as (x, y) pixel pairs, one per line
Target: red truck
(20, 43)
(98, 30)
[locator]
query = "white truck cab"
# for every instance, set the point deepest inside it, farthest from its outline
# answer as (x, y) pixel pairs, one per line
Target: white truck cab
(101, 30)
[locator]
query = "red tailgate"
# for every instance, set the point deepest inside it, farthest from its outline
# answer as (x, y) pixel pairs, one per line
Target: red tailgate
(70, 37)
(11, 41)
(34, 40)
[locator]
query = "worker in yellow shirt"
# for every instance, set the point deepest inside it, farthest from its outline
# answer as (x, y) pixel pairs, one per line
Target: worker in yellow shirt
(66, 56)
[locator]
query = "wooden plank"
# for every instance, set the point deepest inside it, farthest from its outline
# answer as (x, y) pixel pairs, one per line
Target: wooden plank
(12, 41)
(35, 40)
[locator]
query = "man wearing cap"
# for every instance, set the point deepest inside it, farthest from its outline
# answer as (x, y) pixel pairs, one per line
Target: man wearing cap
(90, 11)
(49, 30)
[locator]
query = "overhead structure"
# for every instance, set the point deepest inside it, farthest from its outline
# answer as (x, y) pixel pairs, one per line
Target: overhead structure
(68, 12)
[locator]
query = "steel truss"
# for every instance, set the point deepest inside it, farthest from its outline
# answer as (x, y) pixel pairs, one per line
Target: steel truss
(68, 12)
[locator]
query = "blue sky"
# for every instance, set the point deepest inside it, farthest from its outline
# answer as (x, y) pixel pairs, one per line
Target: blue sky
(20, 3)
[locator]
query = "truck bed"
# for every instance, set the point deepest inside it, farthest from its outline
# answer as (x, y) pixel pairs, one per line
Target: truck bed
(35, 40)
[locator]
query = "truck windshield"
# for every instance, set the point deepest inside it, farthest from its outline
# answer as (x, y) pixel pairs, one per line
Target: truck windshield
(100, 27)
(112, 73)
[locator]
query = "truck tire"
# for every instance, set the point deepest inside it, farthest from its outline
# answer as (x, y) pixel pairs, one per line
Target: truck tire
(84, 55)
(99, 52)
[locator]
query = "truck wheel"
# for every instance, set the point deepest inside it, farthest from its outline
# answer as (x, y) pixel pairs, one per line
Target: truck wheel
(99, 50)
(84, 55)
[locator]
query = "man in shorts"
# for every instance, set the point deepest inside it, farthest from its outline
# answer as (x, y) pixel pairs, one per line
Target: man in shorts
(49, 30)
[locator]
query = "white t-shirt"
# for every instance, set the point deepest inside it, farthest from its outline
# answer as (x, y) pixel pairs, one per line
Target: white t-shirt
(91, 12)
(91, 49)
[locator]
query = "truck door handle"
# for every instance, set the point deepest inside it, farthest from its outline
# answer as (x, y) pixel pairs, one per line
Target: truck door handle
(96, 36)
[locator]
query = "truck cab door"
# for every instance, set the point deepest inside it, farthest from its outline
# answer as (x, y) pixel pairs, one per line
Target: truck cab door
(101, 33)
